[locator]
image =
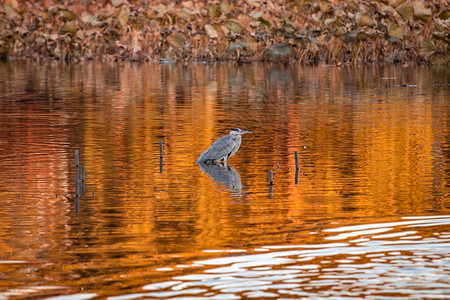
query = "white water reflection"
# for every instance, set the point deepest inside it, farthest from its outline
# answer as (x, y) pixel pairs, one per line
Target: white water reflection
(376, 266)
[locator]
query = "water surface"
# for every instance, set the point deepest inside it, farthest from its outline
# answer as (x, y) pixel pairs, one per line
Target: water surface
(368, 217)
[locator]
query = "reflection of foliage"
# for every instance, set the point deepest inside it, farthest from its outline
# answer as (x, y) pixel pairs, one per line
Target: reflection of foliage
(373, 147)
(331, 31)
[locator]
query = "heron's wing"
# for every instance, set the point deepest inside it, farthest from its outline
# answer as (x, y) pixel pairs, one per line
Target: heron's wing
(219, 149)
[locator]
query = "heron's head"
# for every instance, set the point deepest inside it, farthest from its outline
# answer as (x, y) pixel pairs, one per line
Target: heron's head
(236, 131)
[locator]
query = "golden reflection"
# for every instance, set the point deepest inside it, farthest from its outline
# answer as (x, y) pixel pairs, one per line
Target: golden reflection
(368, 146)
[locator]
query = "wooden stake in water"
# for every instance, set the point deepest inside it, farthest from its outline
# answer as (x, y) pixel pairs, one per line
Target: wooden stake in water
(270, 177)
(297, 171)
(161, 156)
(77, 159)
(77, 171)
(296, 160)
(83, 180)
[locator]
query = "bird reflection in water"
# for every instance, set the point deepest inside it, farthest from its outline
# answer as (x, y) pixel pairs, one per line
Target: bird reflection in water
(223, 174)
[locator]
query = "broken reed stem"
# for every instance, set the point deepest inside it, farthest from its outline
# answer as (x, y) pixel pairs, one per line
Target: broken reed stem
(270, 177)
(296, 160)
(77, 171)
(161, 156)
(77, 159)
(83, 180)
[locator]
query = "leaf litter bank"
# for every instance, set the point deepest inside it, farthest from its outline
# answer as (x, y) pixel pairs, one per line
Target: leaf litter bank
(334, 32)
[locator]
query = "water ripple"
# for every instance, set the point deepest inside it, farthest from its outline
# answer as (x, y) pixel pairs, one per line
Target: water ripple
(383, 266)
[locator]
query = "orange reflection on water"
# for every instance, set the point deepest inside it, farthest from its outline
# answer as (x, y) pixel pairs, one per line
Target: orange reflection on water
(369, 147)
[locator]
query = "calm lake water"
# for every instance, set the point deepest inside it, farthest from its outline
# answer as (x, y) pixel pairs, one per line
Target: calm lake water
(368, 215)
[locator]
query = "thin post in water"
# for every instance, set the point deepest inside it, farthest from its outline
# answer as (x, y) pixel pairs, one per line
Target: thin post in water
(77, 171)
(161, 156)
(296, 160)
(270, 183)
(83, 180)
(77, 159)
(297, 171)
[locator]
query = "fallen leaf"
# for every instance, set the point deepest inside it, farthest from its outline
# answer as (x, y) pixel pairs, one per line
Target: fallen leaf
(184, 13)
(211, 31)
(445, 15)
(213, 10)
(225, 7)
(256, 14)
(364, 19)
(405, 10)
(396, 3)
(421, 12)
(176, 39)
(428, 48)
(123, 17)
(10, 12)
(40, 40)
(395, 31)
(117, 3)
(324, 6)
(104, 13)
(55, 8)
(67, 15)
(69, 27)
(235, 26)
(87, 18)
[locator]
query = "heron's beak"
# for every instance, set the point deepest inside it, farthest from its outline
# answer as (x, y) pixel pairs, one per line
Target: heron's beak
(244, 131)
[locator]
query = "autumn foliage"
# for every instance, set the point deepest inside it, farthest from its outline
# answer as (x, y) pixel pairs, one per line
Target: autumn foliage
(357, 31)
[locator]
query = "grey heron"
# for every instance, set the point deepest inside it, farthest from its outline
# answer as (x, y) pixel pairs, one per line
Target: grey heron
(223, 148)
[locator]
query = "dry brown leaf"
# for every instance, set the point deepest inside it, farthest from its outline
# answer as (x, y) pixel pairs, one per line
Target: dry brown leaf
(225, 7)
(421, 12)
(104, 13)
(176, 39)
(69, 27)
(405, 10)
(428, 48)
(235, 26)
(395, 31)
(211, 31)
(324, 6)
(123, 17)
(364, 19)
(396, 3)
(256, 14)
(213, 10)
(117, 3)
(67, 15)
(10, 12)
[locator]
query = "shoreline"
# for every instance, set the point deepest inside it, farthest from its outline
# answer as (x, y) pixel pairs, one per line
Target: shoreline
(330, 32)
